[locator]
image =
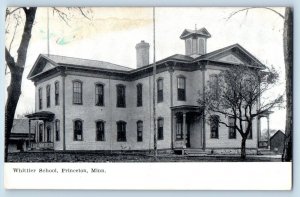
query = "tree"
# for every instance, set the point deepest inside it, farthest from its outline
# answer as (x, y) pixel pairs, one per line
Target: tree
(16, 66)
(288, 59)
(236, 94)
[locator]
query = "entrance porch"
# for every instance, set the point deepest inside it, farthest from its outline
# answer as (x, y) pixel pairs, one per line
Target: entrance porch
(44, 135)
(187, 124)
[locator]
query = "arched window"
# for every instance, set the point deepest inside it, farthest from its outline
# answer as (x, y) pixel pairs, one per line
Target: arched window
(121, 131)
(57, 130)
(121, 96)
(99, 94)
(77, 92)
(56, 87)
(100, 131)
(160, 130)
(78, 130)
(139, 126)
(160, 90)
(48, 93)
(139, 95)
(214, 126)
(181, 86)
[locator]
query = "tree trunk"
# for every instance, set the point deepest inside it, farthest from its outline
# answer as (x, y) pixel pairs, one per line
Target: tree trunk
(243, 148)
(288, 59)
(13, 95)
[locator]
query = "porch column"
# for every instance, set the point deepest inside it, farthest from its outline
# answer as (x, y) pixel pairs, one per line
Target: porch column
(184, 129)
(268, 124)
(29, 144)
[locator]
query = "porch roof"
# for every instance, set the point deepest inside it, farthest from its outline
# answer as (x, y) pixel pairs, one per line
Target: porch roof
(41, 115)
(187, 107)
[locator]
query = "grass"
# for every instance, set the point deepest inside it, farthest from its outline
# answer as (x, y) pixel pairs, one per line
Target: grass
(87, 156)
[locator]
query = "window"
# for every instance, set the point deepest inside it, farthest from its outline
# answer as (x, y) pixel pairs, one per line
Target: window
(214, 85)
(40, 98)
(41, 132)
(179, 126)
(232, 131)
(181, 88)
(139, 95)
(139, 125)
(188, 46)
(78, 130)
(99, 88)
(160, 125)
(48, 134)
(121, 102)
(77, 92)
(201, 45)
(56, 87)
(57, 130)
(48, 95)
(160, 90)
(250, 132)
(100, 135)
(121, 133)
(214, 127)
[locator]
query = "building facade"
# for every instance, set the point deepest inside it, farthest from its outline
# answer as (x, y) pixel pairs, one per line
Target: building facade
(94, 105)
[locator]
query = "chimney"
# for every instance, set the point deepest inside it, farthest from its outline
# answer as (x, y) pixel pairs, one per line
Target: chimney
(142, 54)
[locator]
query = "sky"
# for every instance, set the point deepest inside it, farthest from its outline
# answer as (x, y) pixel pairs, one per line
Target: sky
(112, 33)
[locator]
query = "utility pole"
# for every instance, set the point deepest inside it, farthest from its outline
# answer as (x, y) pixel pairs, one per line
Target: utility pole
(154, 90)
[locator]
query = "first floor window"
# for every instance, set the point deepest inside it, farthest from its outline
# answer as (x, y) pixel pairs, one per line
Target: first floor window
(48, 134)
(179, 126)
(232, 131)
(100, 131)
(57, 129)
(250, 132)
(121, 131)
(160, 131)
(140, 131)
(41, 129)
(214, 127)
(78, 130)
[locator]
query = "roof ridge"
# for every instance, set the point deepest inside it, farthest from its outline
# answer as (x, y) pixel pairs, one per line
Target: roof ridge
(85, 59)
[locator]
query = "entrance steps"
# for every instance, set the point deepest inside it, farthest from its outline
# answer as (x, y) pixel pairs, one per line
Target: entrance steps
(192, 152)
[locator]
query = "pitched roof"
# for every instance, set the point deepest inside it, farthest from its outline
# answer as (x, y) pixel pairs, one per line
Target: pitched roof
(85, 62)
(200, 32)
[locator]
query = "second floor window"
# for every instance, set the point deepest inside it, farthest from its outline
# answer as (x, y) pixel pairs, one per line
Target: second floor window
(139, 92)
(214, 85)
(121, 131)
(56, 86)
(99, 95)
(181, 88)
(48, 93)
(40, 98)
(160, 90)
(77, 92)
(214, 127)
(121, 98)
(100, 135)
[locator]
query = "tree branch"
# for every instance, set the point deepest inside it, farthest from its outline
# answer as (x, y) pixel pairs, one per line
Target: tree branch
(9, 60)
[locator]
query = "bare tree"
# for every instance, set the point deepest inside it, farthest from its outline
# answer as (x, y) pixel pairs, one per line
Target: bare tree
(16, 64)
(288, 59)
(236, 94)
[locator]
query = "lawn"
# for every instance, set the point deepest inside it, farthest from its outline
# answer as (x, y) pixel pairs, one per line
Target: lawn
(130, 157)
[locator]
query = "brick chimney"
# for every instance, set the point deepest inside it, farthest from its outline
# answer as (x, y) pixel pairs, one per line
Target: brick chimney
(142, 54)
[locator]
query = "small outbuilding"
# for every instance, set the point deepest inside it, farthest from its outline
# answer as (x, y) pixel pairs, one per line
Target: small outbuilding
(277, 142)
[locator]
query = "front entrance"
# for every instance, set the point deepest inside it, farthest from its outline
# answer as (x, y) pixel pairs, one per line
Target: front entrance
(187, 124)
